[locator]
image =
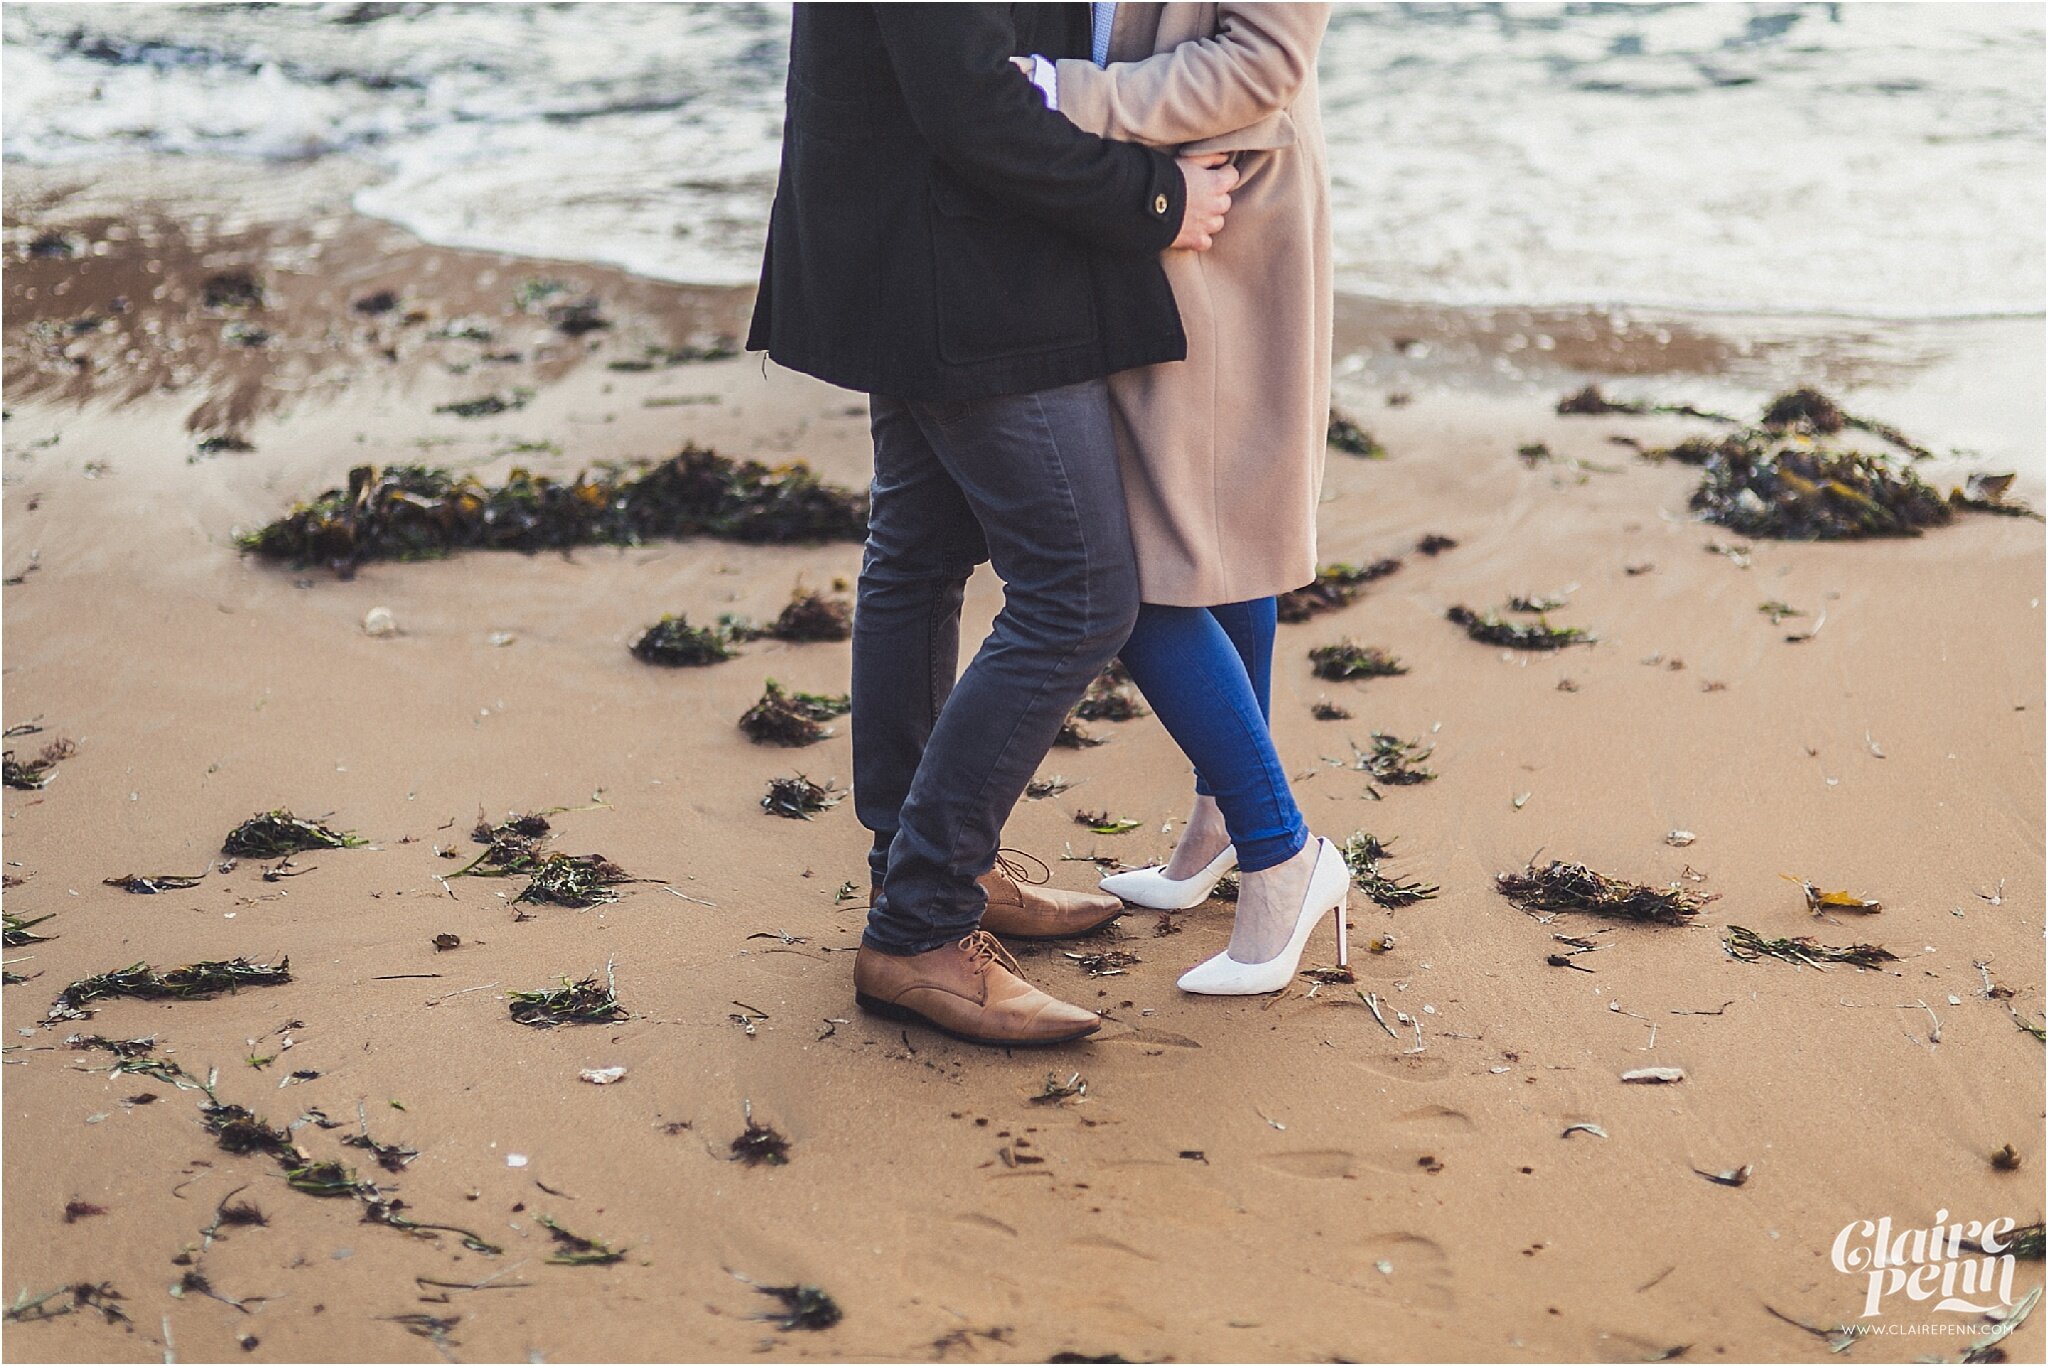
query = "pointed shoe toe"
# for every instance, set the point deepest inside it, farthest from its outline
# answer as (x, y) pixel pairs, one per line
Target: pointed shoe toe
(1152, 889)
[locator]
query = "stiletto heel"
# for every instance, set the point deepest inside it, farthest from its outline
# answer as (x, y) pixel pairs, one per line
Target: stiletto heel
(1329, 889)
(1152, 889)
(1344, 930)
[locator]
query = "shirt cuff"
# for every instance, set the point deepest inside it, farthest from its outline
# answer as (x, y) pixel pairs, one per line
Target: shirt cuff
(1046, 76)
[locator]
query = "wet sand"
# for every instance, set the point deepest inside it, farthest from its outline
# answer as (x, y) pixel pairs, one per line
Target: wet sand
(1265, 1179)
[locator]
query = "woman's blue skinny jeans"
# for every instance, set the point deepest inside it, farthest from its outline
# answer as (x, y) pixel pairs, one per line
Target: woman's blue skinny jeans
(1208, 674)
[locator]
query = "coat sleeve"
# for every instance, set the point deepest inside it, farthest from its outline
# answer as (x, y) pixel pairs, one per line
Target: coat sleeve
(1251, 68)
(987, 123)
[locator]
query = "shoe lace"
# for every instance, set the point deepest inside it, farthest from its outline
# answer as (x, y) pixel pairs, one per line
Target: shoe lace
(1009, 862)
(986, 950)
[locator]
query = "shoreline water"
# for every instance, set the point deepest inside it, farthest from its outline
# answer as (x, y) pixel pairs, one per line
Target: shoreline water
(1979, 378)
(1864, 158)
(1277, 1178)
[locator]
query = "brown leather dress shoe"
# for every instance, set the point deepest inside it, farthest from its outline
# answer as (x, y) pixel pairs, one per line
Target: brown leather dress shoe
(1023, 910)
(1023, 907)
(970, 990)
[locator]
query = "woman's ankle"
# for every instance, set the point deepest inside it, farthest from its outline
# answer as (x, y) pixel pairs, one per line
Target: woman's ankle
(1304, 856)
(1201, 840)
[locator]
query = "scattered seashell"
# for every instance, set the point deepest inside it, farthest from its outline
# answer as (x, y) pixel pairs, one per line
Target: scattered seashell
(602, 1076)
(1592, 1129)
(1655, 1074)
(1678, 839)
(378, 621)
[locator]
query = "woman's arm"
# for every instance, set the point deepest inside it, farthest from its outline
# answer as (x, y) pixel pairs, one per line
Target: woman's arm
(1253, 67)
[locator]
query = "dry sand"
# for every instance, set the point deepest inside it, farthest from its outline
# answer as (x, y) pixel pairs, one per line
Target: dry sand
(1271, 1178)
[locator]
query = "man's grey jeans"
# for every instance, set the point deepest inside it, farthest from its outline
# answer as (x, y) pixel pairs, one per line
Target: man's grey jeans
(1029, 483)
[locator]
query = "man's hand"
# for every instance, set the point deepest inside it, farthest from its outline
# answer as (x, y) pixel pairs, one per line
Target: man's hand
(1209, 182)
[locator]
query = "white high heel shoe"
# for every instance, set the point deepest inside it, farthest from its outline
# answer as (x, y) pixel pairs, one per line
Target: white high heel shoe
(1329, 889)
(1154, 890)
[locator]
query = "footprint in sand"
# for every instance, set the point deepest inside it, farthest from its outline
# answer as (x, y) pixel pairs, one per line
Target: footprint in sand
(1175, 1192)
(1147, 1052)
(1436, 1126)
(1328, 1164)
(965, 1260)
(1435, 1120)
(1401, 1268)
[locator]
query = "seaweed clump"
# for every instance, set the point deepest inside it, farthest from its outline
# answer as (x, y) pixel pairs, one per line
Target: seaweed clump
(2027, 1242)
(1575, 887)
(1395, 761)
(791, 719)
(799, 798)
(1111, 696)
(1490, 629)
(1363, 854)
(273, 834)
(1760, 482)
(102, 1297)
(1749, 946)
(813, 617)
(1348, 660)
(518, 845)
(20, 933)
(1812, 411)
(1590, 402)
(760, 1144)
(1074, 735)
(574, 880)
(200, 981)
(584, 1002)
(803, 1306)
(673, 642)
(152, 884)
(1335, 586)
(392, 1157)
(514, 845)
(573, 1249)
(409, 512)
(35, 775)
(239, 1131)
(1352, 439)
(490, 405)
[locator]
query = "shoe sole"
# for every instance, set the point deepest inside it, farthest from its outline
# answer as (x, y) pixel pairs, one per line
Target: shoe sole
(889, 1010)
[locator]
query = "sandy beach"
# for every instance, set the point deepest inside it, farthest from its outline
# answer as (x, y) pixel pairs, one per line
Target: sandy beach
(1278, 1178)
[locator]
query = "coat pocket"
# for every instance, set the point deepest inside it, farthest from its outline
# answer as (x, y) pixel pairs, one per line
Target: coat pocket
(1005, 284)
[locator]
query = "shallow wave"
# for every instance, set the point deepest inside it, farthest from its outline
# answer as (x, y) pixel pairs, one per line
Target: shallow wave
(1870, 159)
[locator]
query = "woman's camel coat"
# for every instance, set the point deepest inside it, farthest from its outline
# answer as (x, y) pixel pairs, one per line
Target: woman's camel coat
(1222, 454)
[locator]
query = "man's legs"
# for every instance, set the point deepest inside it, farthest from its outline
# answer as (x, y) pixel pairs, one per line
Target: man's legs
(923, 544)
(1038, 474)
